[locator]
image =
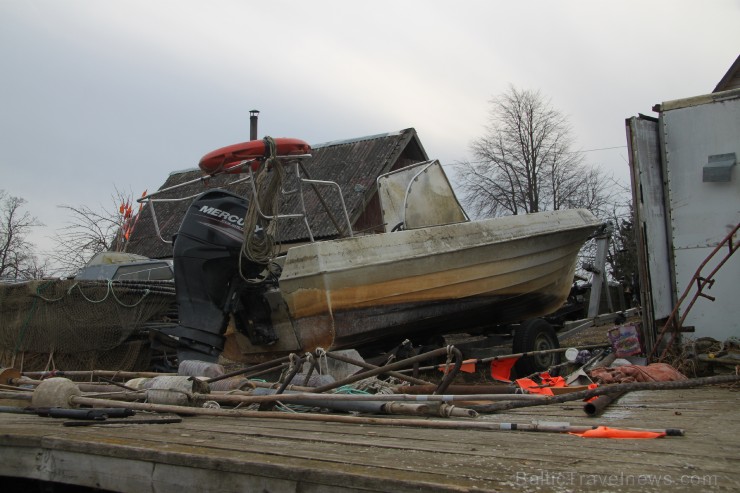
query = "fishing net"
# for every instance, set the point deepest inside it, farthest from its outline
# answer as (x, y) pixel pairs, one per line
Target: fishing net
(80, 325)
(129, 356)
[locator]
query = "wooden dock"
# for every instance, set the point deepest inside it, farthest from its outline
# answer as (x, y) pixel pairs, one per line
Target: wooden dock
(216, 454)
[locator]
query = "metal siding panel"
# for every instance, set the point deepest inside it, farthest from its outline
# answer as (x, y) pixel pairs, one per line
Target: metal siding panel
(702, 213)
(651, 214)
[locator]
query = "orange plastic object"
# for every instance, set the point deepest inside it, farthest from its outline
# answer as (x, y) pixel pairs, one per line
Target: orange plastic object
(606, 432)
(501, 369)
(544, 388)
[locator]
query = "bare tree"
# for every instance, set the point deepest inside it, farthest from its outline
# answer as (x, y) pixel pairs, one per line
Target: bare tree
(17, 258)
(524, 162)
(91, 231)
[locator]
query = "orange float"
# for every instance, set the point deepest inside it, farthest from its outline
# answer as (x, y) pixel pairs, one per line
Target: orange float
(226, 158)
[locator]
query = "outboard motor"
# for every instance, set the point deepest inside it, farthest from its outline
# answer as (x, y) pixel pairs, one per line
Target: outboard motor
(207, 281)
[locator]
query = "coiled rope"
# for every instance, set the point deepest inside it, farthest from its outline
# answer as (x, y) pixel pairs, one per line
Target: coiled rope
(260, 245)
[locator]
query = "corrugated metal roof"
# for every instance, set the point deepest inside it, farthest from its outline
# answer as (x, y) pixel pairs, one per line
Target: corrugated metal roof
(354, 164)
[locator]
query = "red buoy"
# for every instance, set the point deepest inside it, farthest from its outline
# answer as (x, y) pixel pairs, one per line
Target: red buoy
(221, 160)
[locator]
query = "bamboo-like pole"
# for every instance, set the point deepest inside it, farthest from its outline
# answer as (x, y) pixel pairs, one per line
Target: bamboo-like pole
(84, 386)
(333, 418)
(307, 398)
(520, 355)
(538, 353)
(611, 389)
(96, 373)
(18, 395)
(458, 389)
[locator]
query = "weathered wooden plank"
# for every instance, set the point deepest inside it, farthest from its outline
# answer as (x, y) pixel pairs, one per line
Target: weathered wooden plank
(282, 455)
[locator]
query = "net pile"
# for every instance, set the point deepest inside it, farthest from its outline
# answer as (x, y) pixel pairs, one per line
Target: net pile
(80, 325)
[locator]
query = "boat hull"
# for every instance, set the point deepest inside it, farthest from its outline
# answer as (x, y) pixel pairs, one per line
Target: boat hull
(429, 281)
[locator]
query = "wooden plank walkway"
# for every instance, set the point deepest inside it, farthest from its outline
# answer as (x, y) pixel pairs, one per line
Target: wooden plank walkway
(216, 454)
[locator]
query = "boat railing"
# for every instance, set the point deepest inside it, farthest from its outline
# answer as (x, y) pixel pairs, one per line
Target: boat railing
(418, 195)
(246, 166)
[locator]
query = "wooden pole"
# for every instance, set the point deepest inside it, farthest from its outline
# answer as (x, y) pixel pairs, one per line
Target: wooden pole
(307, 398)
(611, 389)
(96, 373)
(362, 420)
(520, 355)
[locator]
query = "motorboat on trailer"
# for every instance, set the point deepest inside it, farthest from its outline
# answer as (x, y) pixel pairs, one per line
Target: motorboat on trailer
(432, 271)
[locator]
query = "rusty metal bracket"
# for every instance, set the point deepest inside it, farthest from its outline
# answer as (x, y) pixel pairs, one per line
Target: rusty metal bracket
(450, 374)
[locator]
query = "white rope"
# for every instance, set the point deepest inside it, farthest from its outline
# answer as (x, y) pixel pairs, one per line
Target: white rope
(321, 352)
(109, 290)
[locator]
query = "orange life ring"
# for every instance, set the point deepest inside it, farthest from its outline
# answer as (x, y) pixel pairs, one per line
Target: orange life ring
(221, 160)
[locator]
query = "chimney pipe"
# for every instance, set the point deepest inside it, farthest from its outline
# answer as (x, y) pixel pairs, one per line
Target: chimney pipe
(253, 114)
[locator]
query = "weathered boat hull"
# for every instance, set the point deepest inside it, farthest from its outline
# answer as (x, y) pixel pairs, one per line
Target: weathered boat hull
(423, 282)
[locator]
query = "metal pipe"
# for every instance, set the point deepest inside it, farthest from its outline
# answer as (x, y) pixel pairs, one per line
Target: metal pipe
(597, 406)
(368, 366)
(405, 408)
(297, 365)
(265, 385)
(292, 373)
(374, 406)
(267, 371)
(449, 411)
(457, 389)
(262, 366)
(382, 369)
(450, 375)
(253, 116)
(323, 202)
(369, 407)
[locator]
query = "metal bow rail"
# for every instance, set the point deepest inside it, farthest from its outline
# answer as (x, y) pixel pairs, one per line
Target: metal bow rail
(299, 170)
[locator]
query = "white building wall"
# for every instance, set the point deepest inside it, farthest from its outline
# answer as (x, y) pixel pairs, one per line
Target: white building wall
(702, 213)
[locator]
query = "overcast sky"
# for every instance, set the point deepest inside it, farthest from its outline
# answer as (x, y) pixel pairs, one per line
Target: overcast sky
(96, 95)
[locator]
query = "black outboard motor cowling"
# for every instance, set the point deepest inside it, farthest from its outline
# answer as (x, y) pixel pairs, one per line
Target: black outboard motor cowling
(206, 262)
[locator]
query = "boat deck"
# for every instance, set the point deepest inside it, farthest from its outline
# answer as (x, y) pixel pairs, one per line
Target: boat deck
(217, 454)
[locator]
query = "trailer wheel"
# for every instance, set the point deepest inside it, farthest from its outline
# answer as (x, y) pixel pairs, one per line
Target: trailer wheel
(535, 335)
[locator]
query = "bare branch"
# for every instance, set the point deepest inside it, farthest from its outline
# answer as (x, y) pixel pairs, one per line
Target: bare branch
(17, 257)
(91, 231)
(524, 162)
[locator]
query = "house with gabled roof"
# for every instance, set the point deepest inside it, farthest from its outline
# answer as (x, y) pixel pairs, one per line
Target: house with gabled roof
(731, 79)
(354, 164)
